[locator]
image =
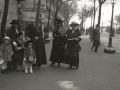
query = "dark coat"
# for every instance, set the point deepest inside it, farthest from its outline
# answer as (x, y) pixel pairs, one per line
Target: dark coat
(12, 34)
(40, 51)
(6, 51)
(28, 53)
(58, 48)
(32, 31)
(71, 49)
(18, 54)
(96, 37)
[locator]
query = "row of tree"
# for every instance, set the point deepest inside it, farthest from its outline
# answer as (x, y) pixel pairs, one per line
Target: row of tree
(66, 8)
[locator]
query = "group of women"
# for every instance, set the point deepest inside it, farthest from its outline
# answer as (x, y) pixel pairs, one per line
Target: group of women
(65, 46)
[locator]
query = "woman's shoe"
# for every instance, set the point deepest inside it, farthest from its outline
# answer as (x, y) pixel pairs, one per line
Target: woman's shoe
(76, 67)
(58, 65)
(6, 70)
(70, 67)
(37, 68)
(3, 71)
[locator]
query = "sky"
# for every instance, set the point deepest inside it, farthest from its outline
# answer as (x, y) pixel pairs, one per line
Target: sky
(105, 14)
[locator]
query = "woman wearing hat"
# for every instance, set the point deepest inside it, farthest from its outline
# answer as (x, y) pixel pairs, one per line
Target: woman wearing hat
(35, 35)
(73, 48)
(58, 44)
(19, 51)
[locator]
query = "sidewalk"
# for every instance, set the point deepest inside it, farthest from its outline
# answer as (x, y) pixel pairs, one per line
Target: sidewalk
(115, 40)
(97, 71)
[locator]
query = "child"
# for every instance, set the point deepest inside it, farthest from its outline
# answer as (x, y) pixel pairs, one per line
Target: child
(19, 51)
(29, 56)
(6, 52)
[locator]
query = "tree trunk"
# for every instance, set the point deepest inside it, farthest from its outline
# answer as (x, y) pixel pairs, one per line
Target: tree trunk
(4, 19)
(55, 16)
(38, 12)
(99, 17)
(49, 16)
(94, 15)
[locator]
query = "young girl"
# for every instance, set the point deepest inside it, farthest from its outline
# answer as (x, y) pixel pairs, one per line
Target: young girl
(6, 53)
(29, 56)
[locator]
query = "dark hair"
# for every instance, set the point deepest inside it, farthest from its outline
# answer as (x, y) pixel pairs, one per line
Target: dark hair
(26, 44)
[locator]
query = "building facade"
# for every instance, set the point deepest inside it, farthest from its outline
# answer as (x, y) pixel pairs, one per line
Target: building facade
(28, 8)
(12, 12)
(26, 12)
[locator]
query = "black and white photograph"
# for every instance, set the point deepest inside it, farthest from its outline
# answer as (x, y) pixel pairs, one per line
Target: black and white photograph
(59, 45)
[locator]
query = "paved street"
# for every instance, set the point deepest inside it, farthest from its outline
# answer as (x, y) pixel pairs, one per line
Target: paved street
(97, 71)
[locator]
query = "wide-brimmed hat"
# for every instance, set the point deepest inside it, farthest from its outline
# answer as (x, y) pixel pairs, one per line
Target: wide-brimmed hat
(14, 22)
(30, 26)
(6, 38)
(59, 20)
(74, 23)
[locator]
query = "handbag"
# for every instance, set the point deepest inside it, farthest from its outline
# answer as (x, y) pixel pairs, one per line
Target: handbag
(78, 47)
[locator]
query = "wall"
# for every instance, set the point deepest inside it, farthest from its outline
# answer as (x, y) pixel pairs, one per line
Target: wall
(29, 12)
(12, 12)
(1, 12)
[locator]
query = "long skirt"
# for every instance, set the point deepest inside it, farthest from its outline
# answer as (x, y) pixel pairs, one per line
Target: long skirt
(72, 61)
(57, 53)
(40, 53)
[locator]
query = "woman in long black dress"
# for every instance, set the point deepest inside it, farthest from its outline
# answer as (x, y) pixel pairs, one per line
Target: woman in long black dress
(35, 35)
(58, 44)
(72, 48)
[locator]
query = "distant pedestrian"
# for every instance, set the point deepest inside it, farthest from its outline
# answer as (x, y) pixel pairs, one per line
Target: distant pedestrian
(73, 47)
(6, 52)
(58, 44)
(96, 38)
(90, 33)
(29, 56)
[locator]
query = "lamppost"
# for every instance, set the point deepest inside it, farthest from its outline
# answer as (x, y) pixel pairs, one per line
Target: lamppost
(110, 49)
